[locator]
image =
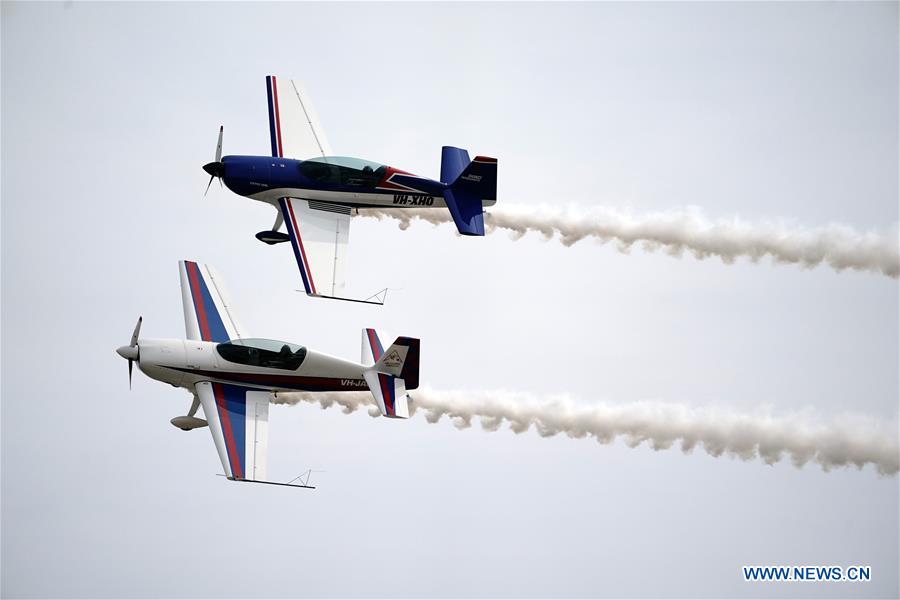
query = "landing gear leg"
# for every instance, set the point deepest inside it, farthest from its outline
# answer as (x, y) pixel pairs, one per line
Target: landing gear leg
(194, 406)
(279, 220)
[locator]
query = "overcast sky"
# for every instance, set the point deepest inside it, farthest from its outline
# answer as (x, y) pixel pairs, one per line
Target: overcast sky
(756, 110)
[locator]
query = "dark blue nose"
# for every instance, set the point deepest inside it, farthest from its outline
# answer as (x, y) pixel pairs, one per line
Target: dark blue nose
(246, 175)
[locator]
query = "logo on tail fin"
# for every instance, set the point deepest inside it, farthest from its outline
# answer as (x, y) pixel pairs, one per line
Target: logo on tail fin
(392, 359)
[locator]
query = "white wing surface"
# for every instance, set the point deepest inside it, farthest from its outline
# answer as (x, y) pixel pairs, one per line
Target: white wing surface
(294, 126)
(319, 234)
(239, 422)
(207, 313)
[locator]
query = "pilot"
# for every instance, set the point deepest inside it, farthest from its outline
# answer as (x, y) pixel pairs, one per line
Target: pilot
(253, 357)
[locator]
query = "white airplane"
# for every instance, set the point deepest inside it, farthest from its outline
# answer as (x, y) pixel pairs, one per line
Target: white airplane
(232, 375)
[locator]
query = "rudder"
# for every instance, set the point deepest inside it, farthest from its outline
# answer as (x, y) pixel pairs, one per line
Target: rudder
(470, 184)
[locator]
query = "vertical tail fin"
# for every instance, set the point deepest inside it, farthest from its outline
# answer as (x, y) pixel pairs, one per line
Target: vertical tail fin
(395, 371)
(371, 349)
(470, 184)
(453, 162)
(401, 360)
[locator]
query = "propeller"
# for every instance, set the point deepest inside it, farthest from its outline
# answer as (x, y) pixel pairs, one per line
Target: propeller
(216, 168)
(131, 351)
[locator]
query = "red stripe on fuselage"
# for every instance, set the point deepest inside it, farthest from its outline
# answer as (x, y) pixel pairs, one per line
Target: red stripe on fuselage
(197, 296)
(279, 382)
(277, 116)
(309, 276)
(225, 419)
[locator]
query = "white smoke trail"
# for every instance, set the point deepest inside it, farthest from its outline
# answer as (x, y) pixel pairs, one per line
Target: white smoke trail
(839, 246)
(849, 440)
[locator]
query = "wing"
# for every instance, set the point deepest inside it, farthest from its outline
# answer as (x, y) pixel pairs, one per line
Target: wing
(319, 234)
(294, 127)
(239, 422)
(207, 313)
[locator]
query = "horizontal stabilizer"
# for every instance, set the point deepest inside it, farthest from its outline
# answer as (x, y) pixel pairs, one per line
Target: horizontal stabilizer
(466, 210)
(390, 394)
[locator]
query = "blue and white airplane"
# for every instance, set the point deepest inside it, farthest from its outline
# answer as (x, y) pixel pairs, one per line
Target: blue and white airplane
(232, 375)
(314, 192)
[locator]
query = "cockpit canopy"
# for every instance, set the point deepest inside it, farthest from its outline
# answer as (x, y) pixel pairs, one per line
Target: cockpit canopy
(343, 171)
(257, 352)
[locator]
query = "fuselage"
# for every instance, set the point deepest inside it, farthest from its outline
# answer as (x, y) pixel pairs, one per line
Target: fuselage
(183, 363)
(347, 181)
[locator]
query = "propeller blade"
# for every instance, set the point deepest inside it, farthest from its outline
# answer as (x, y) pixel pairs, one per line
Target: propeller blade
(130, 368)
(219, 144)
(211, 177)
(137, 330)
